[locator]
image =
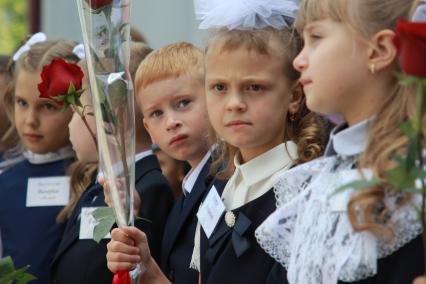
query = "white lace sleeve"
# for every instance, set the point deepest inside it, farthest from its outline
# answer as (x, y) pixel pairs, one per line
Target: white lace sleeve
(195, 259)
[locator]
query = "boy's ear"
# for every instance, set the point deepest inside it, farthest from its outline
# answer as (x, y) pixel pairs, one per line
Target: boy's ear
(147, 129)
(382, 51)
(296, 99)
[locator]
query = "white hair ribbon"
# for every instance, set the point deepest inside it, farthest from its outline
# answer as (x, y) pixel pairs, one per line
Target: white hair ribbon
(35, 38)
(79, 51)
(245, 14)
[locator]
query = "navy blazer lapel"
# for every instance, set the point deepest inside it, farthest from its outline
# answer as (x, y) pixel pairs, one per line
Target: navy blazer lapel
(170, 235)
(71, 235)
(178, 216)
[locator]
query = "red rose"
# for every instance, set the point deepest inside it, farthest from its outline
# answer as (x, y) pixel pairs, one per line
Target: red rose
(57, 77)
(410, 41)
(96, 4)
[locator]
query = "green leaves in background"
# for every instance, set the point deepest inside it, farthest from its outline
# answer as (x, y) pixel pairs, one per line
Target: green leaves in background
(8, 273)
(13, 24)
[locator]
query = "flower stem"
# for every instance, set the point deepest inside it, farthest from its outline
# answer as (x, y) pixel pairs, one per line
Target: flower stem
(83, 118)
(90, 131)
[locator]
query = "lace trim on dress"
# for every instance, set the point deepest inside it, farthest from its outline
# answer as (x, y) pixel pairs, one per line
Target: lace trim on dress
(310, 233)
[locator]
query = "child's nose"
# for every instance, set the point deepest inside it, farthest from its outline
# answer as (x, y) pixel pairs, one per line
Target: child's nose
(236, 102)
(300, 62)
(173, 123)
(32, 118)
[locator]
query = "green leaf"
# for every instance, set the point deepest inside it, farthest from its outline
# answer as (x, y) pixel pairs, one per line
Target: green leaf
(408, 129)
(359, 184)
(71, 99)
(105, 219)
(6, 265)
(78, 102)
(71, 89)
(78, 93)
(60, 98)
(25, 278)
(9, 274)
(401, 179)
(406, 79)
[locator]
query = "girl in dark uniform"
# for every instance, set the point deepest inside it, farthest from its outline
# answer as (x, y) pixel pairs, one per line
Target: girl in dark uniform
(257, 109)
(321, 234)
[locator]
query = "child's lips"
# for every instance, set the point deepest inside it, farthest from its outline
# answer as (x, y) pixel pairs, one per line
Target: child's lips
(305, 82)
(177, 139)
(33, 137)
(237, 124)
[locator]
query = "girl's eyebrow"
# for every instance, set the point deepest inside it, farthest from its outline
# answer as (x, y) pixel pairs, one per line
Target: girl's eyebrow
(311, 26)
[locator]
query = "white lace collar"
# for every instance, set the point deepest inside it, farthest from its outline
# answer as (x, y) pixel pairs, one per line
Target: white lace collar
(310, 233)
(37, 159)
(348, 141)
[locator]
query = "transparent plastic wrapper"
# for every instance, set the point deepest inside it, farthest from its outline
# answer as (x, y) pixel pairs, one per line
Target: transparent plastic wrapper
(106, 35)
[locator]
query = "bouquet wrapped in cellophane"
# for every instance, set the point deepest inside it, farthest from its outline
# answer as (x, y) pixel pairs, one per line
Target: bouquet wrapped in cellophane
(106, 36)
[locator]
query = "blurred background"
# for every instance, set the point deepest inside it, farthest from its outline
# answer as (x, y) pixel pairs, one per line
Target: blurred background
(159, 21)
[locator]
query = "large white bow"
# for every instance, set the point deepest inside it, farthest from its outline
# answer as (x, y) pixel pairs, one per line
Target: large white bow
(245, 14)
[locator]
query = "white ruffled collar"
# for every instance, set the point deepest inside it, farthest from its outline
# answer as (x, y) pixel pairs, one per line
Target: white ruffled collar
(38, 159)
(348, 141)
(310, 233)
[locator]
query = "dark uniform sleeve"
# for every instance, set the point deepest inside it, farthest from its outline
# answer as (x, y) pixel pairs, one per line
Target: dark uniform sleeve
(401, 267)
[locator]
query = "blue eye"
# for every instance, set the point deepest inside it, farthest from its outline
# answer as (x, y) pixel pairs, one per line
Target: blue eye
(183, 103)
(156, 113)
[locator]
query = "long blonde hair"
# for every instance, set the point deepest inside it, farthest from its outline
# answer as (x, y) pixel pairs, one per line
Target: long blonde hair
(365, 18)
(81, 175)
(306, 129)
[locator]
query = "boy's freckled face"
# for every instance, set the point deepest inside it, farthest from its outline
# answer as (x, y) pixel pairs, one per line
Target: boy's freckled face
(41, 124)
(175, 116)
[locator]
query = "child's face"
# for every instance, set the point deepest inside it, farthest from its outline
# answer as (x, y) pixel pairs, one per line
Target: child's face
(81, 140)
(248, 97)
(175, 116)
(334, 68)
(41, 124)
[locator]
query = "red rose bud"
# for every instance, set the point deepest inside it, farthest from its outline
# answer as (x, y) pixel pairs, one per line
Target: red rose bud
(410, 41)
(96, 4)
(122, 277)
(57, 77)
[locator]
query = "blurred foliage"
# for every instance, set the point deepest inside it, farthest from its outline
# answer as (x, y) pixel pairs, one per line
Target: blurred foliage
(13, 24)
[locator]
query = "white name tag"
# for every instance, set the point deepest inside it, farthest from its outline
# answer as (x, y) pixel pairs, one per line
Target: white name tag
(210, 211)
(88, 223)
(48, 191)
